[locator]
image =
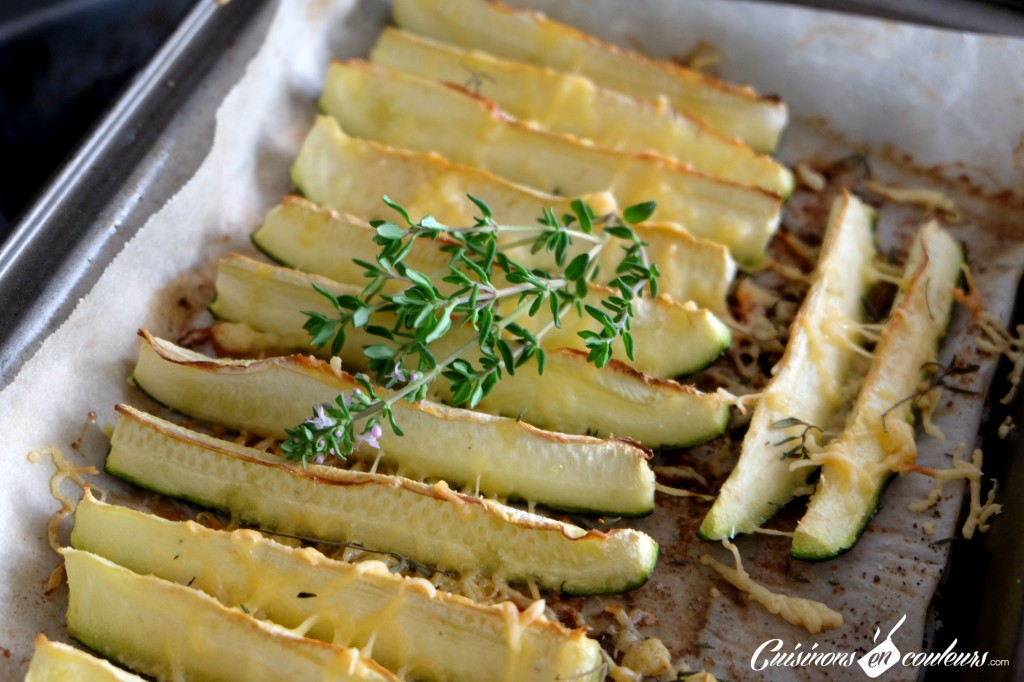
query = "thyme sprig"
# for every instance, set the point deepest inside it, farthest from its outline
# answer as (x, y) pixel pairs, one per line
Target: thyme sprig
(939, 380)
(482, 288)
(799, 450)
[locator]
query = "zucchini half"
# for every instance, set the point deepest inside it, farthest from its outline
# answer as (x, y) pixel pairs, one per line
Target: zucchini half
(614, 401)
(554, 100)
(429, 524)
(169, 631)
(499, 456)
(374, 102)
(671, 339)
(572, 396)
(408, 621)
(317, 239)
(533, 38)
(879, 437)
(58, 662)
(811, 383)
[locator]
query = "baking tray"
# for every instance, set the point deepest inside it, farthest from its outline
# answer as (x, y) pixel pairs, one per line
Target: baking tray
(143, 151)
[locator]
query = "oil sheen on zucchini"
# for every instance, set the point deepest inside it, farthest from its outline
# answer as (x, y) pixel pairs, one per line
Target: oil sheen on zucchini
(403, 110)
(170, 631)
(670, 339)
(811, 383)
(499, 456)
(879, 438)
(407, 620)
(554, 100)
(531, 37)
(429, 524)
(317, 239)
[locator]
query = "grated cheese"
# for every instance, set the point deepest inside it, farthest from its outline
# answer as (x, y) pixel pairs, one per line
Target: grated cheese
(1006, 428)
(809, 177)
(979, 513)
(65, 471)
(811, 615)
(679, 492)
(703, 57)
(931, 200)
(995, 339)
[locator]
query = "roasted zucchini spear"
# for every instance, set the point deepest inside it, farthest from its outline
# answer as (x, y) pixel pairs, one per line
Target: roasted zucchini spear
(402, 110)
(555, 100)
(878, 440)
(169, 631)
(407, 620)
(498, 456)
(811, 384)
(670, 339)
(531, 37)
(428, 524)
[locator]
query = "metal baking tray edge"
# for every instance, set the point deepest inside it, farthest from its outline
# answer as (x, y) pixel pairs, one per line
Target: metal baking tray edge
(135, 159)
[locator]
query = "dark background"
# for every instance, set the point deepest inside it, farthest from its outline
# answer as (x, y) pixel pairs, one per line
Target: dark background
(61, 64)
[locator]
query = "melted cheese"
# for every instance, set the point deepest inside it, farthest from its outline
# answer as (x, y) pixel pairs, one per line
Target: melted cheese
(933, 201)
(811, 615)
(65, 471)
(979, 513)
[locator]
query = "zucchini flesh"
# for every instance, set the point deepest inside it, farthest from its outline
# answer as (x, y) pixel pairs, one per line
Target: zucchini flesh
(58, 662)
(170, 631)
(316, 239)
(351, 175)
(270, 395)
(575, 396)
(407, 619)
(533, 38)
(670, 339)
(554, 100)
(467, 448)
(399, 109)
(856, 466)
(810, 383)
(429, 524)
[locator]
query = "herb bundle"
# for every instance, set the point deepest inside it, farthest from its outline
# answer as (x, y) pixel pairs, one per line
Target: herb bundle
(483, 288)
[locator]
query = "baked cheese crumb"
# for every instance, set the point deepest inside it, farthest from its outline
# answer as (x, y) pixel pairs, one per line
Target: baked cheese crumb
(809, 178)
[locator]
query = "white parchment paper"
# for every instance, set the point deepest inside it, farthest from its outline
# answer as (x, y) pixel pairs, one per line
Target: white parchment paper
(947, 100)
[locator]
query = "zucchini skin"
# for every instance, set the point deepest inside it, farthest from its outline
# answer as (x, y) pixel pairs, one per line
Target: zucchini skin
(822, 552)
(430, 524)
(808, 384)
(295, 586)
(879, 438)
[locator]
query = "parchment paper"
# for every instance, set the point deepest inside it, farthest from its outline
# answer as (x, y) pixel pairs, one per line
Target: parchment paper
(949, 101)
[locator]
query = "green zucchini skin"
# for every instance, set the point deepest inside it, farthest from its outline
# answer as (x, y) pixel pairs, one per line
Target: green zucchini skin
(603, 476)
(824, 552)
(878, 439)
(427, 523)
(809, 384)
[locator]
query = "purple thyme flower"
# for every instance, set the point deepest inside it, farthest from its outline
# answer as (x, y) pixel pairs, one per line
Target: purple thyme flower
(372, 436)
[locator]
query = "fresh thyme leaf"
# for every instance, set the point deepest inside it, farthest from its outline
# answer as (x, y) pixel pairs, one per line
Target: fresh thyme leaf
(799, 451)
(638, 213)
